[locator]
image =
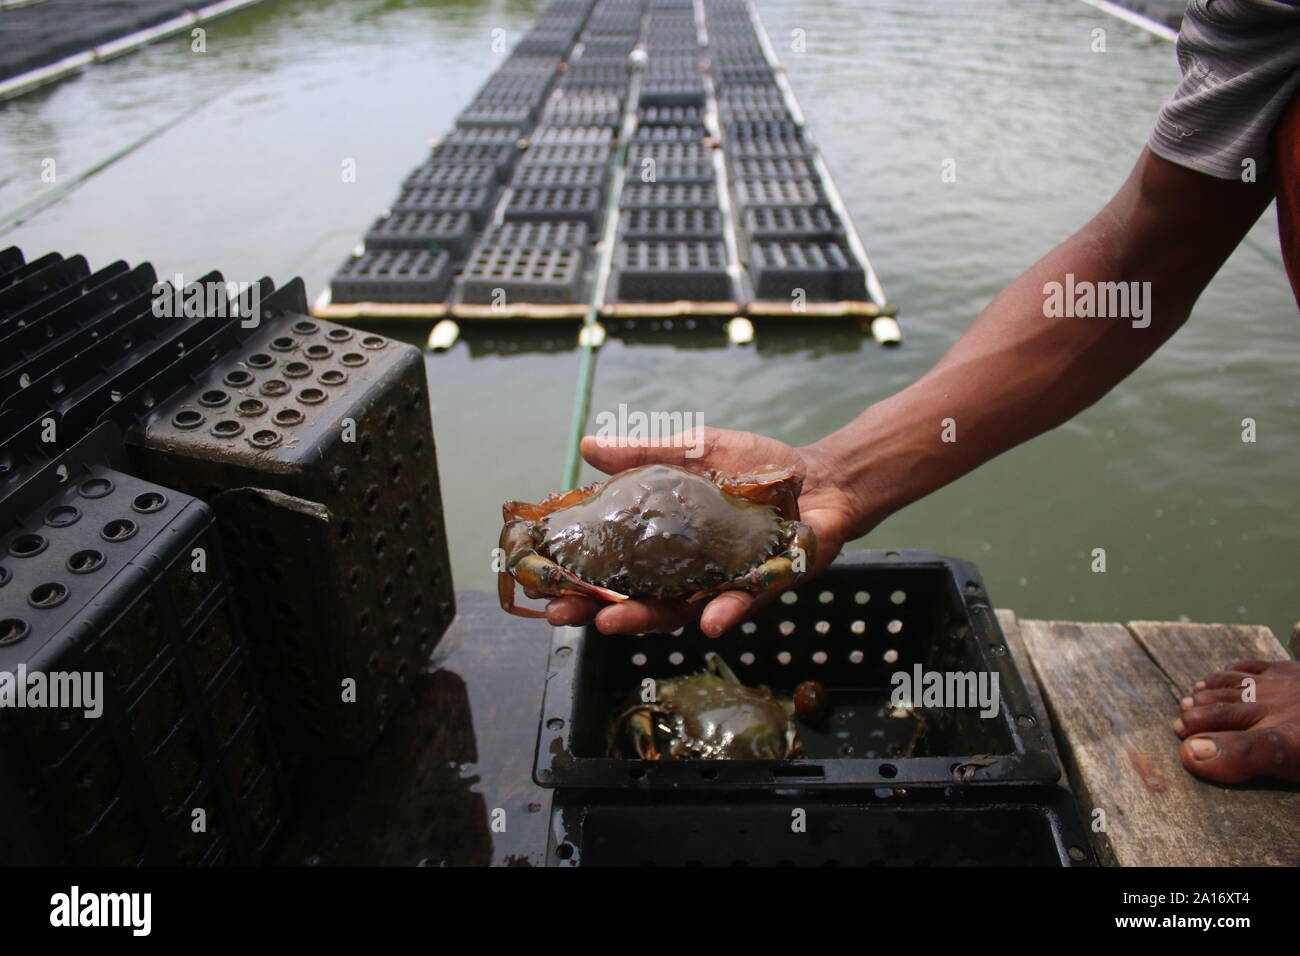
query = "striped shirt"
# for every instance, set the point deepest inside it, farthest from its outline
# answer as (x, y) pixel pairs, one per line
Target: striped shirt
(1241, 67)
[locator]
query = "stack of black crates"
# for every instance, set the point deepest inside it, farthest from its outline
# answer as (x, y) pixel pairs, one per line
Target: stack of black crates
(889, 775)
(222, 554)
(444, 222)
(793, 244)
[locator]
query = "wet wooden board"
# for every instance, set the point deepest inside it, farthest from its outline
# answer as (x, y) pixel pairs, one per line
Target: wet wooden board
(1112, 703)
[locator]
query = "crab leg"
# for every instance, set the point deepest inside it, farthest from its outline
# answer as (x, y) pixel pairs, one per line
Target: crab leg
(777, 573)
(516, 542)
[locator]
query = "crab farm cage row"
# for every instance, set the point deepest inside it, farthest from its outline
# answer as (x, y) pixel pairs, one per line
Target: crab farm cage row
(690, 160)
(889, 774)
(230, 511)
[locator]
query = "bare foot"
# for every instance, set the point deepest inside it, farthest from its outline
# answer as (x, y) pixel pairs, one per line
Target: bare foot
(1243, 722)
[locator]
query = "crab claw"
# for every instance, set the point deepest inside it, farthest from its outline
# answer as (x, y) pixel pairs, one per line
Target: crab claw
(537, 573)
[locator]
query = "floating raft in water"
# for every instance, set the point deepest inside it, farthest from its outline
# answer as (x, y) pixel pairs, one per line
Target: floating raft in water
(630, 158)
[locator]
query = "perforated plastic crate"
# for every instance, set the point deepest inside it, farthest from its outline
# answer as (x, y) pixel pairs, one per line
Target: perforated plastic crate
(115, 588)
(585, 109)
(452, 231)
(669, 115)
(600, 829)
(37, 279)
(523, 64)
(582, 204)
(657, 91)
(583, 73)
(572, 176)
(496, 115)
(768, 149)
(649, 271)
(867, 618)
(822, 270)
(794, 223)
(481, 135)
(667, 134)
(756, 167)
(393, 275)
(552, 43)
(541, 232)
(744, 73)
(573, 135)
(778, 192)
(313, 443)
(508, 274)
(661, 195)
(438, 173)
(549, 154)
(475, 200)
(671, 224)
(500, 156)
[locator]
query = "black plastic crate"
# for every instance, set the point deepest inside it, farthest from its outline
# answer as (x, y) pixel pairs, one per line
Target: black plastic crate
(822, 270)
(868, 617)
(11, 259)
(587, 73)
(509, 274)
(778, 192)
(603, 829)
(109, 575)
(475, 200)
(38, 280)
(539, 232)
(393, 275)
(485, 135)
(742, 131)
(496, 115)
(313, 443)
(438, 173)
(523, 64)
(571, 176)
(792, 223)
(573, 135)
(555, 43)
(585, 109)
(695, 151)
(606, 49)
(649, 271)
(559, 154)
(668, 91)
(668, 134)
(499, 156)
(669, 115)
(744, 73)
(778, 168)
(768, 149)
(660, 195)
(583, 204)
(452, 231)
(671, 224)
(650, 170)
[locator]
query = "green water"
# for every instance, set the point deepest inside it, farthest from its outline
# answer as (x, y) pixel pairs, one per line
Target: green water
(1195, 523)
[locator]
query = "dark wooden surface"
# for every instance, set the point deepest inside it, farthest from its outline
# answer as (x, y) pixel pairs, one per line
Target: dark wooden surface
(459, 750)
(1112, 692)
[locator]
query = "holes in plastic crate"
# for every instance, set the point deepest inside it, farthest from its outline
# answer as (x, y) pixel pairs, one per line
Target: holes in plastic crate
(264, 438)
(28, 545)
(85, 561)
(119, 529)
(238, 378)
(274, 387)
(284, 343)
(332, 376)
(297, 369)
(61, 516)
(148, 502)
(311, 396)
(288, 417)
(187, 419)
(227, 428)
(96, 487)
(13, 630)
(251, 407)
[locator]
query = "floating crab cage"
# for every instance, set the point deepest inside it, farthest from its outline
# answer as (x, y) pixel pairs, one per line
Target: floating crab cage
(158, 747)
(871, 616)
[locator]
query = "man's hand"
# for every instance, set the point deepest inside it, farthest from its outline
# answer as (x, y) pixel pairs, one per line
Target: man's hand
(823, 505)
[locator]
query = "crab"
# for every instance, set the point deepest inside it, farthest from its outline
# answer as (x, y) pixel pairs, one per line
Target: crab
(658, 531)
(709, 715)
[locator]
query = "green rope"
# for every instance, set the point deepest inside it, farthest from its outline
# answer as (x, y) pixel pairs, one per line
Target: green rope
(587, 357)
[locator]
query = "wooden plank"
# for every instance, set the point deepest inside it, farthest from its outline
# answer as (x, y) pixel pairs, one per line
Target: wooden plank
(1010, 625)
(1187, 653)
(1113, 708)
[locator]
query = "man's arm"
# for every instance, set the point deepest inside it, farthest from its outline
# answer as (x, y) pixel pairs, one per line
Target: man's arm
(1016, 372)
